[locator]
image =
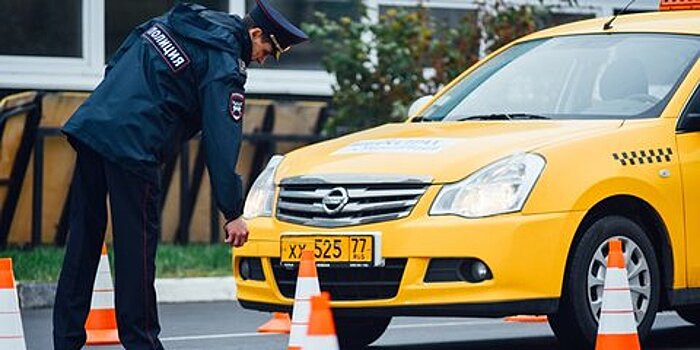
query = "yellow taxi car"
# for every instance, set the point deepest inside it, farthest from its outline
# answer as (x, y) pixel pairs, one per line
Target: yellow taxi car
(499, 196)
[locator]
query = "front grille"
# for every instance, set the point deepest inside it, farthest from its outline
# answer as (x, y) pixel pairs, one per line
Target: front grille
(347, 283)
(308, 200)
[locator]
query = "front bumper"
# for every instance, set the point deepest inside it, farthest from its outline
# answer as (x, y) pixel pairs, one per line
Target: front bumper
(526, 253)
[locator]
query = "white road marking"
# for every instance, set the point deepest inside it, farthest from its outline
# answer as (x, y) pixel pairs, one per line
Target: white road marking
(216, 336)
(445, 324)
(244, 335)
(396, 327)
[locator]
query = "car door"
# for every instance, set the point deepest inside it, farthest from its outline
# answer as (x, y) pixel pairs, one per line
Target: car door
(689, 155)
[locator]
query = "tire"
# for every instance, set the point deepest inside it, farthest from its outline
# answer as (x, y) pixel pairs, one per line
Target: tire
(359, 332)
(576, 322)
(690, 314)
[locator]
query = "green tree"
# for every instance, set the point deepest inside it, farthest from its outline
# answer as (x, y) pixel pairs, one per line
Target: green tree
(380, 68)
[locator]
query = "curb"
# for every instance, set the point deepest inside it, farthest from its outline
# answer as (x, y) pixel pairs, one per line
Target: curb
(191, 290)
(168, 290)
(36, 295)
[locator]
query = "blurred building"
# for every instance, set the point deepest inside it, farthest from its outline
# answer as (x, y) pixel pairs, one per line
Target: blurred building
(64, 44)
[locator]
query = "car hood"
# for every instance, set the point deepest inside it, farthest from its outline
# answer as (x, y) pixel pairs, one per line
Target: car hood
(443, 152)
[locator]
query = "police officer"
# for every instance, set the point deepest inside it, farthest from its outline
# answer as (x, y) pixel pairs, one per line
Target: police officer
(174, 76)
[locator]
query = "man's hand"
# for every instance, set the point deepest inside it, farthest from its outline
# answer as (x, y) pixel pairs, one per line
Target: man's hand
(236, 232)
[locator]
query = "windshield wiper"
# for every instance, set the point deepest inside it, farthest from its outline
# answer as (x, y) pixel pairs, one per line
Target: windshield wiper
(421, 119)
(504, 116)
(528, 116)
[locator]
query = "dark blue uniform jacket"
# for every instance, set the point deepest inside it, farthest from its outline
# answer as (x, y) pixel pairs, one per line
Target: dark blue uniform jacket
(174, 75)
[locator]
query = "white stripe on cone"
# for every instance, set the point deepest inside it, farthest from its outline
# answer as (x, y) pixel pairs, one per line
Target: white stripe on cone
(305, 289)
(12, 344)
(616, 278)
(322, 343)
(11, 330)
(10, 325)
(103, 291)
(617, 324)
(8, 301)
(102, 300)
(617, 315)
(103, 280)
(104, 264)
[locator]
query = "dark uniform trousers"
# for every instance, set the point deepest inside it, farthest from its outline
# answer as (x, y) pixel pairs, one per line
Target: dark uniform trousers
(135, 219)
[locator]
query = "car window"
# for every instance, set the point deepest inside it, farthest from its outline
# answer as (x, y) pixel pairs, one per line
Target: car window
(694, 105)
(575, 77)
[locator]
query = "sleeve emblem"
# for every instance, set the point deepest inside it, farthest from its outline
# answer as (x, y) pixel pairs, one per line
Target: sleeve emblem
(236, 106)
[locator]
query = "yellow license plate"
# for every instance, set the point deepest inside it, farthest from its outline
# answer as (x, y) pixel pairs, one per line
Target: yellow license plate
(331, 249)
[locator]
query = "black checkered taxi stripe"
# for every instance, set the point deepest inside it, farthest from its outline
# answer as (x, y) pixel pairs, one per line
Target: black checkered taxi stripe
(651, 156)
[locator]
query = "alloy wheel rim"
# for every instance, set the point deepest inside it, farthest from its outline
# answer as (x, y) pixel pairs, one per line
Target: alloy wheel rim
(638, 273)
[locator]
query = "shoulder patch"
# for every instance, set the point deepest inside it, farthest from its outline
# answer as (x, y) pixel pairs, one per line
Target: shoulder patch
(236, 106)
(173, 55)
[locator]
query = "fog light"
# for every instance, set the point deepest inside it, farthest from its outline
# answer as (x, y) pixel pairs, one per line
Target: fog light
(480, 271)
(475, 271)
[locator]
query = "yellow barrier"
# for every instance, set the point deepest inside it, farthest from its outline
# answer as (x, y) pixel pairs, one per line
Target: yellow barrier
(296, 118)
(11, 135)
(58, 160)
(10, 142)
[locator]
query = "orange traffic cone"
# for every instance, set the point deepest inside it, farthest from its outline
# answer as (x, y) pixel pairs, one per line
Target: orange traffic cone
(280, 323)
(307, 287)
(618, 328)
(526, 318)
(101, 324)
(11, 330)
(321, 334)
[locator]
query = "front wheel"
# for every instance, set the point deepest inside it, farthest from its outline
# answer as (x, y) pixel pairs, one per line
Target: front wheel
(576, 322)
(359, 332)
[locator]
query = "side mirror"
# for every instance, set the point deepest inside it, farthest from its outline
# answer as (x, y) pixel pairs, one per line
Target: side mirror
(690, 123)
(418, 105)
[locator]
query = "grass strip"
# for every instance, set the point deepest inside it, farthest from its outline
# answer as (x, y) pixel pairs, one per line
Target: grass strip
(43, 264)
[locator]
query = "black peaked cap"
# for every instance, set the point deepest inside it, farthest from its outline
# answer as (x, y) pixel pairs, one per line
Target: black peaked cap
(274, 23)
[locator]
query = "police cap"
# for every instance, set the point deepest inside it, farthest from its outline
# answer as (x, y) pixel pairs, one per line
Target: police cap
(282, 33)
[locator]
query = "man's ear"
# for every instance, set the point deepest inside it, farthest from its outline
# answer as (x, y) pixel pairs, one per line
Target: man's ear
(255, 32)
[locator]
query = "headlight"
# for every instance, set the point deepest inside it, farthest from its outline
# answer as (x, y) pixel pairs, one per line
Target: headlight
(261, 196)
(499, 188)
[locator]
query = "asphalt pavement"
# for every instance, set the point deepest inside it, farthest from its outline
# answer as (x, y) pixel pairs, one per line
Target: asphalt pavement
(226, 326)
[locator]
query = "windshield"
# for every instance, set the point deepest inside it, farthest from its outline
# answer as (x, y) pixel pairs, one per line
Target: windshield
(618, 76)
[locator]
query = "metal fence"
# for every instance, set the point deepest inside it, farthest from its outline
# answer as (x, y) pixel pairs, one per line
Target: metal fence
(264, 139)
